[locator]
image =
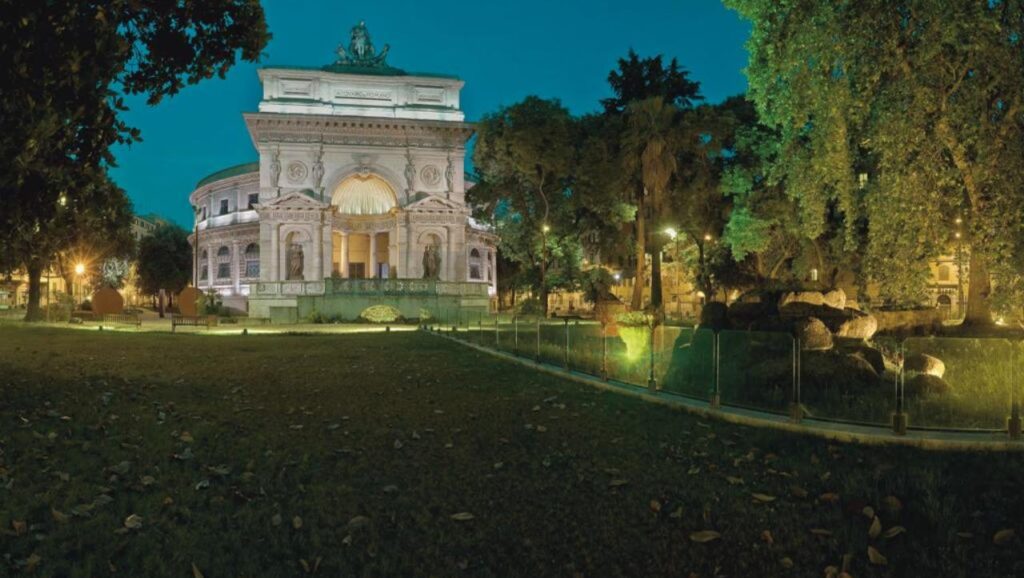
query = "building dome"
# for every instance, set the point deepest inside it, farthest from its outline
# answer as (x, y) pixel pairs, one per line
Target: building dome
(359, 195)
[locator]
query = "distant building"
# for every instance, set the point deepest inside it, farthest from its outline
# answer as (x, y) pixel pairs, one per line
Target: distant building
(142, 227)
(360, 177)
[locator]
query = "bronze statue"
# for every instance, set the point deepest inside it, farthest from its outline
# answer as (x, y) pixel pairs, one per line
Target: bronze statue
(360, 50)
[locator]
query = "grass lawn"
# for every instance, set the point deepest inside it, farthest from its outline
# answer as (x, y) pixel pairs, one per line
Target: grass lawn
(403, 454)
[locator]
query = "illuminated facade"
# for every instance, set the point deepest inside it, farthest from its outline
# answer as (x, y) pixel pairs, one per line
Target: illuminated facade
(360, 176)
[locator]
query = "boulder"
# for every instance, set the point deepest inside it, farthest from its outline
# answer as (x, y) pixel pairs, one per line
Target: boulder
(714, 316)
(858, 326)
(835, 299)
(926, 384)
(924, 363)
(866, 352)
(813, 335)
(920, 321)
(823, 370)
(742, 315)
(107, 301)
(188, 301)
(809, 297)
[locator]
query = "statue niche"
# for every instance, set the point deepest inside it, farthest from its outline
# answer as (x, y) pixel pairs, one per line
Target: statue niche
(296, 262)
(431, 262)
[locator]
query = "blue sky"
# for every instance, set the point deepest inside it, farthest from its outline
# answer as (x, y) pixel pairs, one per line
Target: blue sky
(503, 50)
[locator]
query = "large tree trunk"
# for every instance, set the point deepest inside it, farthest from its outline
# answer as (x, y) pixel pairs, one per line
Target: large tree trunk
(979, 287)
(35, 272)
(639, 278)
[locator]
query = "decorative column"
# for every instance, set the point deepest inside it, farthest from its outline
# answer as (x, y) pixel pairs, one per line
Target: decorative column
(494, 269)
(373, 255)
(344, 255)
(450, 258)
(235, 266)
(210, 271)
(318, 241)
(274, 248)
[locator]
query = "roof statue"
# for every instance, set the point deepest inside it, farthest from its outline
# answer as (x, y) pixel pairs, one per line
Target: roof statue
(360, 50)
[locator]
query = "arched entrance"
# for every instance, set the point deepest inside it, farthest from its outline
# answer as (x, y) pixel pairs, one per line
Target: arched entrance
(365, 205)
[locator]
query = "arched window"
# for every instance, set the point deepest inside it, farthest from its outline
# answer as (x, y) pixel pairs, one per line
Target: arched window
(944, 273)
(224, 262)
(204, 266)
(474, 264)
(252, 261)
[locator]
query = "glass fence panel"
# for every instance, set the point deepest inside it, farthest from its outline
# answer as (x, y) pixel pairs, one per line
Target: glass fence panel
(629, 354)
(679, 360)
(962, 383)
(756, 369)
(527, 337)
(552, 342)
(506, 334)
(853, 381)
(586, 343)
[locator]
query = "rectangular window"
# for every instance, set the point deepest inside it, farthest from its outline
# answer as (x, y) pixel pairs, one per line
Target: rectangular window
(357, 270)
(252, 269)
(474, 271)
(223, 270)
(223, 207)
(203, 273)
(253, 199)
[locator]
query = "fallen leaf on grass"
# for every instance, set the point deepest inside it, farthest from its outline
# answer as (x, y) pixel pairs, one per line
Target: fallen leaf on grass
(678, 513)
(58, 516)
(798, 491)
(297, 522)
(820, 532)
(894, 531)
(655, 506)
(196, 573)
(876, 528)
(786, 562)
(133, 522)
(704, 536)
(462, 517)
(1003, 536)
(763, 498)
(733, 480)
(868, 512)
(876, 557)
(186, 437)
(19, 526)
(617, 483)
(766, 537)
(829, 497)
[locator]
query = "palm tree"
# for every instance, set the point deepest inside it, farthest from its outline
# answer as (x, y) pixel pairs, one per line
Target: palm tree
(649, 148)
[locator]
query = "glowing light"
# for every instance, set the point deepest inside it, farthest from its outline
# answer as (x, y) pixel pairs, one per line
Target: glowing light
(958, 235)
(672, 233)
(707, 236)
(79, 269)
(618, 276)
(546, 229)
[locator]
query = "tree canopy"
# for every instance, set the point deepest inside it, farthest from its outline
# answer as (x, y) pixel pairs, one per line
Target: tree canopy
(65, 67)
(894, 119)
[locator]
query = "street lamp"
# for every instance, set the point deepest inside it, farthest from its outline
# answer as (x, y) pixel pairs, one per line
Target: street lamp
(674, 235)
(79, 270)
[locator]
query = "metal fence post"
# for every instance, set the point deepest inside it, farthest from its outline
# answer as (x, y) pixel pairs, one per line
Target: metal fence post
(796, 412)
(515, 334)
(497, 331)
(716, 394)
(537, 356)
(899, 417)
(604, 352)
(565, 351)
(1013, 424)
(652, 383)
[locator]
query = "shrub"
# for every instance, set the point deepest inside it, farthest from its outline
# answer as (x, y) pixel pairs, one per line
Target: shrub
(425, 315)
(635, 331)
(210, 303)
(381, 314)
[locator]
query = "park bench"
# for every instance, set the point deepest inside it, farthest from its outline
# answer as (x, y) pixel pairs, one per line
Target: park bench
(132, 319)
(206, 321)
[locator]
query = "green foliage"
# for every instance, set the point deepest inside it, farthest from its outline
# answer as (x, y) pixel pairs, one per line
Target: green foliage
(65, 67)
(211, 303)
(165, 260)
(381, 314)
(425, 315)
(921, 97)
(596, 285)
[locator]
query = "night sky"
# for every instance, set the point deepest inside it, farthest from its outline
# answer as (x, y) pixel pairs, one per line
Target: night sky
(503, 50)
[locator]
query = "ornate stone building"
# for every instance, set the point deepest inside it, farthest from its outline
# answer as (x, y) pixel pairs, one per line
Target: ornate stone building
(359, 196)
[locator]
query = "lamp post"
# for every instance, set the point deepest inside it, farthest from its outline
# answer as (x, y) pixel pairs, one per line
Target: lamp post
(544, 230)
(959, 266)
(674, 235)
(79, 270)
(195, 249)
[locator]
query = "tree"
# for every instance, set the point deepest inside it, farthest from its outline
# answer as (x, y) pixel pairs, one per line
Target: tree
(524, 154)
(64, 66)
(649, 154)
(921, 97)
(637, 80)
(165, 260)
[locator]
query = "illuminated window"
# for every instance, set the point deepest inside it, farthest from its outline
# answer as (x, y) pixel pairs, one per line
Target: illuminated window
(224, 263)
(944, 273)
(204, 270)
(252, 261)
(474, 264)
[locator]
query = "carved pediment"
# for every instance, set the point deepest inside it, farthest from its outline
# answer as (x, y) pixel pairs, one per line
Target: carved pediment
(433, 203)
(295, 200)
